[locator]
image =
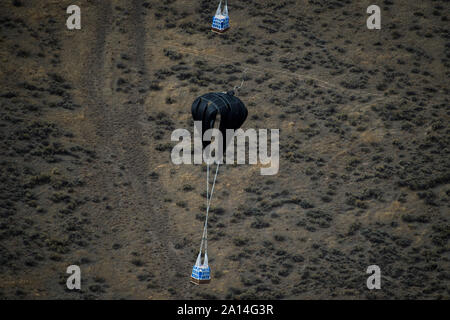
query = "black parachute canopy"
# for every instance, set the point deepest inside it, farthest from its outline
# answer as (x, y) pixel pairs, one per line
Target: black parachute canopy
(231, 109)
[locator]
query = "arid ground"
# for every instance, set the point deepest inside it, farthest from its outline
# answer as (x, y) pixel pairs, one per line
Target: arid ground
(86, 177)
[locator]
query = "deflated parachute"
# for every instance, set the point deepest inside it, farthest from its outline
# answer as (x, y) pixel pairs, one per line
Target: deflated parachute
(230, 108)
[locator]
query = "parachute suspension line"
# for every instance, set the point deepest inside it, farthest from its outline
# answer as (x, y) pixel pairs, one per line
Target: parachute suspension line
(207, 207)
(205, 227)
(236, 88)
(207, 212)
(207, 184)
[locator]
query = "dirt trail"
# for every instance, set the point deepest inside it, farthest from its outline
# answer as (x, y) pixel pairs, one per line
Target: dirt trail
(132, 222)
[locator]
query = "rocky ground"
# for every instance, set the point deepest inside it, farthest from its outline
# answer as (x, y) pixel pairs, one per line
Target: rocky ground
(86, 177)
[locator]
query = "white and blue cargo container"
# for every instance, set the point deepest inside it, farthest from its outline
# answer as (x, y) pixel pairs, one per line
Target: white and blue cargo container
(221, 20)
(201, 273)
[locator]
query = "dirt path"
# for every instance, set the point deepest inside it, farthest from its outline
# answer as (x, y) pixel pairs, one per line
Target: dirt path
(131, 225)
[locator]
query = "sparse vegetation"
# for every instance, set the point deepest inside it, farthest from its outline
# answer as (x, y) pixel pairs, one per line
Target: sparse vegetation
(85, 161)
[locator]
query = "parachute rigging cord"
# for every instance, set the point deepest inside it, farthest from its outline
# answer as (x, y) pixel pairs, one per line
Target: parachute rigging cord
(205, 227)
(236, 88)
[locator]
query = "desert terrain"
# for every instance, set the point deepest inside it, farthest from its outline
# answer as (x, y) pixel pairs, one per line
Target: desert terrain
(86, 177)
